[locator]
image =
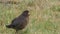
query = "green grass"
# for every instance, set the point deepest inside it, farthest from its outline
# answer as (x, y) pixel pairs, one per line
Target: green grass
(44, 16)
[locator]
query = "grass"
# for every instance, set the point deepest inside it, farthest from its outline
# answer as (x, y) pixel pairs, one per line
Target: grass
(44, 16)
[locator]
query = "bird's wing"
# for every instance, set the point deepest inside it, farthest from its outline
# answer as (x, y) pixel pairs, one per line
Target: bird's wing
(14, 20)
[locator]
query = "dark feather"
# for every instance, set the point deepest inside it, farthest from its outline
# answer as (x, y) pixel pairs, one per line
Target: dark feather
(20, 22)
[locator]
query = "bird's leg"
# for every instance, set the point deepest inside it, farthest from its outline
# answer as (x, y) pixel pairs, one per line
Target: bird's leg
(16, 32)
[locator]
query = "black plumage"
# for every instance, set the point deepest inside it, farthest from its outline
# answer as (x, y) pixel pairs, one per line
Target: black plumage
(20, 22)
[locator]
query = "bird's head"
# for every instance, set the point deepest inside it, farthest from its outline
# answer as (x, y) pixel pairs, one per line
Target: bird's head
(26, 13)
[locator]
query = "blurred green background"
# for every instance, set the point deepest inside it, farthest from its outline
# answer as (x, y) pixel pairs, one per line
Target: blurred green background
(44, 16)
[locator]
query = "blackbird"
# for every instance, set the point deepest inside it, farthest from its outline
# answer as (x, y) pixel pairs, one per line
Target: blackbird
(20, 22)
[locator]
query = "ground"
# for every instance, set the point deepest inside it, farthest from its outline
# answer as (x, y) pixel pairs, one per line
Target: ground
(44, 16)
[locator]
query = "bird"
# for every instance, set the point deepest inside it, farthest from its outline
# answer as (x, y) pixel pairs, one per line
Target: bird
(20, 22)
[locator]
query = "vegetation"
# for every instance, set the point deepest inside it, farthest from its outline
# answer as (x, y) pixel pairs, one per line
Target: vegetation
(44, 16)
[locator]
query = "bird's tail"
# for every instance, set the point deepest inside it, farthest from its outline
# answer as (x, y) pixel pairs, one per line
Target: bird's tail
(8, 26)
